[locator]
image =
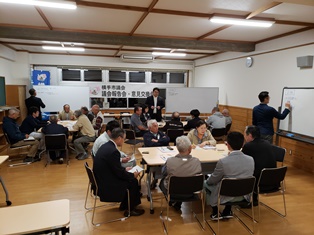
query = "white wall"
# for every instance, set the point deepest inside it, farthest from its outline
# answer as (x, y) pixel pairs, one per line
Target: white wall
(274, 67)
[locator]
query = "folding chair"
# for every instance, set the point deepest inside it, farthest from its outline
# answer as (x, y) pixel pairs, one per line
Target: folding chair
(93, 189)
(131, 139)
(233, 187)
(228, 128)
(174, 133)
(22, 151)
(180, 186)
(279, 153)
(271, 181)
(56, 142)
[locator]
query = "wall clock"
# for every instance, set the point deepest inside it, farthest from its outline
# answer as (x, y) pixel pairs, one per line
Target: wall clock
(249, 62)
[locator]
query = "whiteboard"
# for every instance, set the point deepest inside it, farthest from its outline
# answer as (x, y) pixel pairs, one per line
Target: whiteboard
(187, 98)
(300, 119)
(54, 97)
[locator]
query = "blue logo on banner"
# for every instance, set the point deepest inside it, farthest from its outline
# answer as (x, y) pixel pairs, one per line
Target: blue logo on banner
(41, 77)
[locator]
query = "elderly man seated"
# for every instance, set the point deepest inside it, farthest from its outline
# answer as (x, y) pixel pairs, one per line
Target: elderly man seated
(183, 164)
(154, 137)
(216, 120)
(86, 134)
(66, 113)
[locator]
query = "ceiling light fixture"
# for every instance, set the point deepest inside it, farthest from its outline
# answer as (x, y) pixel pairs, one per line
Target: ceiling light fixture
(243, 22)
(55, 4)
(169, 54)
(63, 48)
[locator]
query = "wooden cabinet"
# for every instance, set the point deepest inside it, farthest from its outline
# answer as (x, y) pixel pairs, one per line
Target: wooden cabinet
(15, 96)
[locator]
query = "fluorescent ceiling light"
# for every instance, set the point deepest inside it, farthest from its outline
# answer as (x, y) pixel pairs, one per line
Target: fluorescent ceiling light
(54, 4)
(243, 22)
(169, 54)
(63, 48)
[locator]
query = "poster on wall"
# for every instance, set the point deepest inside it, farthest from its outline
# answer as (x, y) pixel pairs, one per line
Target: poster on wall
(41, 78)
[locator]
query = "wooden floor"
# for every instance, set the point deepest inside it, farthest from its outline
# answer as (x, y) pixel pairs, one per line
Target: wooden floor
(35, 183)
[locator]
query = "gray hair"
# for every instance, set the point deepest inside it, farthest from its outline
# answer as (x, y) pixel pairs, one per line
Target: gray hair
(151, 122)
(117, 132)
(77, 113)
(53, 118)
(183, 143)
(225, 112)
(13, 111)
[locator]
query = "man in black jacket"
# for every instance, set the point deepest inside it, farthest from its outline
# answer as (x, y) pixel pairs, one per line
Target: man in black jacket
(113, 179)
(156, 104)
(34, 101)
(16, 137)
(174, 123)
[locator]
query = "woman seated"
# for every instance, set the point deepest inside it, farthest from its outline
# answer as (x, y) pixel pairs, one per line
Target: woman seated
(195, 118)
(145, 116)
(200, 136)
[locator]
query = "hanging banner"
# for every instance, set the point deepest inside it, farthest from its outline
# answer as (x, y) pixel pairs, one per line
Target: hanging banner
(41, 78)
(120, 91)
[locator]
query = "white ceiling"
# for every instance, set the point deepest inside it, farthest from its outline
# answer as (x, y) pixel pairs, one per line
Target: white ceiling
(111, 28)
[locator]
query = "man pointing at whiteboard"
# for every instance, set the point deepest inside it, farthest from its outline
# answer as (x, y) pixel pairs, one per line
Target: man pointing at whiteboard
(263, 116)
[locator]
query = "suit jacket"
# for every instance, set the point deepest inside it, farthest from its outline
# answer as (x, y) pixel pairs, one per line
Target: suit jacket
(29, 124)
(150, 102)
(111, 177)
(34, 101)
(235, 165)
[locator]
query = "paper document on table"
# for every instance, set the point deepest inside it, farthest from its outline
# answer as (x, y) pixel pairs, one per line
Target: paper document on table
(209, 147)
(29, 138)
(136, 169)
(166, 156)
(165, 149)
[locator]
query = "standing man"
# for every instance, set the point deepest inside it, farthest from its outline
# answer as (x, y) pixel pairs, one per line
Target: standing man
(261, 151)
(263, 116)
(156, 104)
(113, 180)
(34, 101)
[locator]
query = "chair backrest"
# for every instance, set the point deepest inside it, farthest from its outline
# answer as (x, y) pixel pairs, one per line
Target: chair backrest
(217, 132)
(56, 142)
(91, 178)
(186, 184)
(279, 153)
(130, 134)
(7, 138)
(272, 177)
(235, 187)
(228, 128)
(174, 133)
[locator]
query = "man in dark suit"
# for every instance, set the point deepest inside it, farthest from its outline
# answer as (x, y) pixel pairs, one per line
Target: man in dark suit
(34, 101)
(113, 180)
(55, 128)
(260, 150)
(156, 104)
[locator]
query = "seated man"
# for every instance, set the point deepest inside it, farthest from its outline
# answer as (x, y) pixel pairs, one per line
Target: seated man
(98, 118)
(55, 128)
(261, 151)
(225, 112)
(191, 124)
(86, 134)
(154, 137)
(139, 128)
(16, 137)
(105, 137)
(183, 164)
(175, 122)
(88, 113)
(235, 165)
(31, 125)
(113, 179)
(216, 120)
(66, 113)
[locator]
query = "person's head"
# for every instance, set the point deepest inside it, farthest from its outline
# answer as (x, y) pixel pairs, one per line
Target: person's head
(215, 109)
(84, 110)
(264, 97)
(34, 111)
(152, 126)
(77, 113)
(175, 116)
(138, 110)
(145, 108)
(201, 127)
(111, 125)
(66, 108)
(156, 91)
(235, 140)
(95, 109)
(225, 112)
(13, 113)
(195, 113)
(251, 132)
(118, 136)
(32, 92)
(183, 144)
(53, 118)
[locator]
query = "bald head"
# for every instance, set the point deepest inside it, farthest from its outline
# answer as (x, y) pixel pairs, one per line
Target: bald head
(95, 109)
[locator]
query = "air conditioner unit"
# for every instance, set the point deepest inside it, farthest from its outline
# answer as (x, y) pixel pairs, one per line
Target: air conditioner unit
(137, 58)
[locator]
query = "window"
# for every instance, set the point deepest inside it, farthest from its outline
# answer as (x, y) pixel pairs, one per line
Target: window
(117, 102)
(177, 78)
(137, 77)
(71, 74)
(159, 77)
(134, 101)
(117, 76)
(92, 75)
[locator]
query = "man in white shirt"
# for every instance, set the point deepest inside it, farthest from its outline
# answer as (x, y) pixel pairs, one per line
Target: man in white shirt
(156, 104)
